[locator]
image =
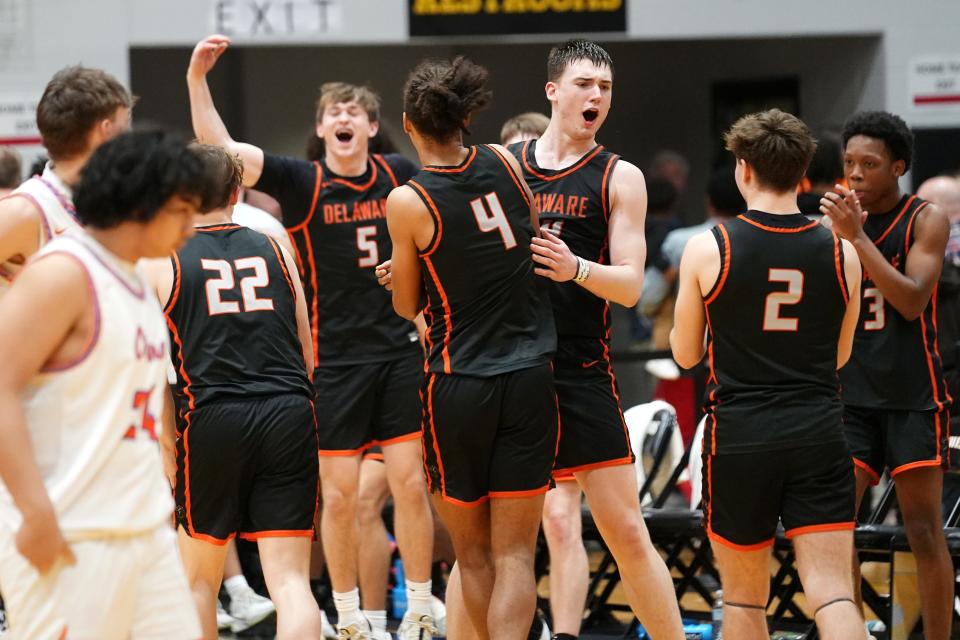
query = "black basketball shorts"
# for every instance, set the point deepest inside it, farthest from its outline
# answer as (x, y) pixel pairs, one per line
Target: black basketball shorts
(248, 467)
(490, 437)
(895, 439)
(361, 405)
(810, 489)
(593, 432)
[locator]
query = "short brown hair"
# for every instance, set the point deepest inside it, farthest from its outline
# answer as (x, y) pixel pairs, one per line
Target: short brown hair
(76, 98)
(334, 92)
(10, 168)
(778, 146)
(224, 172)
(530, 123)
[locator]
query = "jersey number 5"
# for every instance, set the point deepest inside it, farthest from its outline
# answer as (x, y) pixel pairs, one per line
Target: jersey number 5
(367, 244)
(772, 320)
(494, 219)
(226, 282)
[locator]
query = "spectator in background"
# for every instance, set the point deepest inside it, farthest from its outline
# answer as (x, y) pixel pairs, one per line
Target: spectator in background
(944, 191)
(10, 170)
(723, 201)
(526, 126)
(36, 167)
(825, 171)
(672, 167)
(661, 220)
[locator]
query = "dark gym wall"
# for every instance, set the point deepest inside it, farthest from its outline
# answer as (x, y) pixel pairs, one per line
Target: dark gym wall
(662, 90)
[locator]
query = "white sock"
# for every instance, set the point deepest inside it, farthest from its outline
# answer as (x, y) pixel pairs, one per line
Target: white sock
(348, 608)
(236, 586)
(377, 619)
(419, 599)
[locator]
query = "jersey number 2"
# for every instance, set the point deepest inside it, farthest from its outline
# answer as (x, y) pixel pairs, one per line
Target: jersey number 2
(494, 219)
(226, 282)
(772, 318)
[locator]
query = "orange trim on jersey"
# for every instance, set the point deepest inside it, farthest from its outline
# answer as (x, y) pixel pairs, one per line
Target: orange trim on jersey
(428, 318)
(296, 252)
(359, 187)
(283, 265)
(724, 271)
(613, 389)
(374, 456)
(874, 476)
(820, 528)
(913, 216)
(513, 175)
(778, 229)
(564, 476)
(458, 169)
(217, 227)
(433, 436)
(343, 453)
(471, 504)
(837, 249)
(314, 304)
(556, 448)
(525, 493)
(921, 463)
(895, 220)
(279, 533)
(211, 539)
(386, 167)
(565, 172)
(434, 213)
(313, 202)
(604, 188)
(593, 465)
(404, 438)
(94, 336)
(447, 313)
(714, 537)
(175, 287)
(63, 634)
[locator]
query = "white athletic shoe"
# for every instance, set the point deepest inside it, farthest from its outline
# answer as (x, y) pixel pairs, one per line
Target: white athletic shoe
(381, 635)
(439, 610)
(416, 627)
(355, 632)
(326, 629)
(249, 609)
(224, 619)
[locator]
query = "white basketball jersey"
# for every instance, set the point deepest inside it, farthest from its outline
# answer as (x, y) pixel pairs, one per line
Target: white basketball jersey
(94, 421)
(54, 200)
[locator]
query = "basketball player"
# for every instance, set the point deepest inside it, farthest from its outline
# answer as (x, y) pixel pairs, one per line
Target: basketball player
(777, 294)
(368, 360)
(593, 206)
(489, 417)
(245, 445)
(894, 395)
(11, 169)
(86, 549)
(524, 126)
(80, 109)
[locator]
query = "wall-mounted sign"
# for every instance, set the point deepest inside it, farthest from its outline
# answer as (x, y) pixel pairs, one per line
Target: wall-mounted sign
(18, 125)
(935, 82)
(495, 17)
(276, 19)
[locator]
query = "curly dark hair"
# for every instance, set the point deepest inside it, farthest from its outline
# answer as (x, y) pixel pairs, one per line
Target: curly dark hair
(890, 128)
(563, 55)
(440, 95)
(131, 177)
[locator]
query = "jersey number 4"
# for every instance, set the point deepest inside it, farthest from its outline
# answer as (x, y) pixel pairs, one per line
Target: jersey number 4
(773, 320)
(225, 281)
(493, 218)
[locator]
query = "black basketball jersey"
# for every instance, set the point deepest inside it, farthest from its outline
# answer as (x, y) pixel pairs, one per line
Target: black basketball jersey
(487, 312)
(232, 319)
(774, 318)
(340, 234)
(895, 363)
(574, 203)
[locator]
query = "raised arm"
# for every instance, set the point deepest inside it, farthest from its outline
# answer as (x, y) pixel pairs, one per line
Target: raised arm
(622, 279)
(408, 221)
(854, 275)
(909, 292)
(207, 124)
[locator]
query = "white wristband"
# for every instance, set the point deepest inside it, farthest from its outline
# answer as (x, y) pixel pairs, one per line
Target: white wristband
(583, 270)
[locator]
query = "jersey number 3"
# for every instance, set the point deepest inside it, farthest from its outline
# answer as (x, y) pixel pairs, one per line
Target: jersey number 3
(773, 320)
(225, 281)
(874, 307)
